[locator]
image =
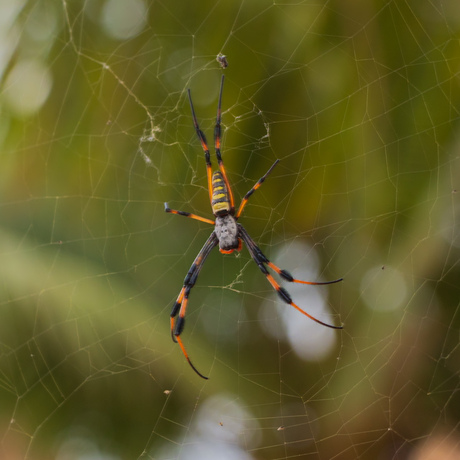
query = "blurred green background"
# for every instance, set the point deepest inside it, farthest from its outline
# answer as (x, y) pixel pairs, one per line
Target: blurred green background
(359, 99)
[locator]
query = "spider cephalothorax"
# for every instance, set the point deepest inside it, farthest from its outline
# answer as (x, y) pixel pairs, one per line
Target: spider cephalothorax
(227, 233)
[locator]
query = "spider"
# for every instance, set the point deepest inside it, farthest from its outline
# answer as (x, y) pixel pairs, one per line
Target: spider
(227, 233)
(222, 60)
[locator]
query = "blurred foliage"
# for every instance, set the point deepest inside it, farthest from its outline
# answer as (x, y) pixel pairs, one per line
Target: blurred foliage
(360, 101)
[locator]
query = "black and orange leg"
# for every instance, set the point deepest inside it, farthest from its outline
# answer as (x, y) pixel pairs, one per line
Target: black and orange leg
(256, 186)
(217, 138)
(177, 317)
(188, 214)
(204, 145)
(261, 260)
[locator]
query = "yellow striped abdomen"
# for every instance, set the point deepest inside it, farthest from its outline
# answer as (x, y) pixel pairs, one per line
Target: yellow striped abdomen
(220, 202)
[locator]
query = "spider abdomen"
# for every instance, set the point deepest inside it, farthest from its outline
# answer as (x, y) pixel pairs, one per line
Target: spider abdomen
(220, 202)
(226, 231)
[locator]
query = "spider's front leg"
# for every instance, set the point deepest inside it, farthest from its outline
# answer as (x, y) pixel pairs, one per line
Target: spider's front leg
(261, 260)
(180, 306)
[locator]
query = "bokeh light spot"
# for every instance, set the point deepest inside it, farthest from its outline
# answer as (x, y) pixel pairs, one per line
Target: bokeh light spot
(27, 87)
(122, 19)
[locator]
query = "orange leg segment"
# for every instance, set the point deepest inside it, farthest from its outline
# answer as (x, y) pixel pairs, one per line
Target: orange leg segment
(261, 260)
(177, 317)
(258, 184)
(188, 214)
(217, 138)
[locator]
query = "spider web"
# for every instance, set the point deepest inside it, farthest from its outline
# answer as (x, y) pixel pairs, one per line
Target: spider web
(360, 102)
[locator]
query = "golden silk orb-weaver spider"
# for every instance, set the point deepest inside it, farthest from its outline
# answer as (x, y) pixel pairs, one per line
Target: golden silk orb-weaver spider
(227, 233)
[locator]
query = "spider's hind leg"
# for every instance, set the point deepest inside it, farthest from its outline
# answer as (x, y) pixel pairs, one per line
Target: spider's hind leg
(217, 139)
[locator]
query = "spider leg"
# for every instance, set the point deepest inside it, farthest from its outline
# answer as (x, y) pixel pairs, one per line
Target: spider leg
(204, 145)
(260, 259)
(188, 214)
(217, 138)
(283, 273)
(178, 311)
(256, 186)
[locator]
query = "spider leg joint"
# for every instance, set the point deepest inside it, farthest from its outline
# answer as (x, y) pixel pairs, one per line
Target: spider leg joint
(286, 275)
(179, 327)
(284, 295)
